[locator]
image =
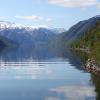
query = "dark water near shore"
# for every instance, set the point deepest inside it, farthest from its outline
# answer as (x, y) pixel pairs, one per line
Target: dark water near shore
(42, 74)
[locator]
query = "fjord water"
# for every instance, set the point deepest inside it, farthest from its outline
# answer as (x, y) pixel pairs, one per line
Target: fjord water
(27, 74)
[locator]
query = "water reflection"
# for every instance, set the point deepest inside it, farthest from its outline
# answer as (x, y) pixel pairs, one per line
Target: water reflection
(96, 82)
(40, 55)
(79, 92)
(44, 74)
(95, 79)
(32, 70)
(38, 70)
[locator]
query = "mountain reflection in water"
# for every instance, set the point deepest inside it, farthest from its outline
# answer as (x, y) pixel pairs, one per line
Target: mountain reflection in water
(44, 74)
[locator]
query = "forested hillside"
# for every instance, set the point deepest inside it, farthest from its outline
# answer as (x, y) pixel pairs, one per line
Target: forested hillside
(90, 41)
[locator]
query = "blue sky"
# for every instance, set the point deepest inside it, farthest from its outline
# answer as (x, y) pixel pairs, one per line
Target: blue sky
(52, 13)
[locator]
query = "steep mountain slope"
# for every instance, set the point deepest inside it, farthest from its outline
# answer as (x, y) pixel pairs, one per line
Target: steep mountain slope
(91, 41)
(4, 43)
(64, 40)
(78, 30)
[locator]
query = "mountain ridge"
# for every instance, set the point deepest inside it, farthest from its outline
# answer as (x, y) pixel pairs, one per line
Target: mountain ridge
(78, 30)
(27, 36)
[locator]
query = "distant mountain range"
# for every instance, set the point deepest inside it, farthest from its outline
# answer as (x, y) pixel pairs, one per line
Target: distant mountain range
(27, 36)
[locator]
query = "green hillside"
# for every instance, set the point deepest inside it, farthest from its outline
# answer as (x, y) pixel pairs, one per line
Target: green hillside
(90, 41)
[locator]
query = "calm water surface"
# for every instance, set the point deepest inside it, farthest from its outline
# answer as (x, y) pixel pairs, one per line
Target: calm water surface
(52, 78)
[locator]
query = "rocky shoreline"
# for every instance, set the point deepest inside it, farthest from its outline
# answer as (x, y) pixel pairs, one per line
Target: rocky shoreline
(92, 66)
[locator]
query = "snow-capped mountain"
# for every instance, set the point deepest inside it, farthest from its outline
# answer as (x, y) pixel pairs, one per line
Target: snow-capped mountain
(25, 35)
(6, 24)
(58, 30)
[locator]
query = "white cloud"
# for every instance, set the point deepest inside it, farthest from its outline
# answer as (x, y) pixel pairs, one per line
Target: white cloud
(73, 3)
(29, 17)
(34, 18)
(45, 21)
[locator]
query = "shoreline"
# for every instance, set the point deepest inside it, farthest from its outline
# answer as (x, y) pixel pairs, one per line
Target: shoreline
(81, 49)
(93, 67)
